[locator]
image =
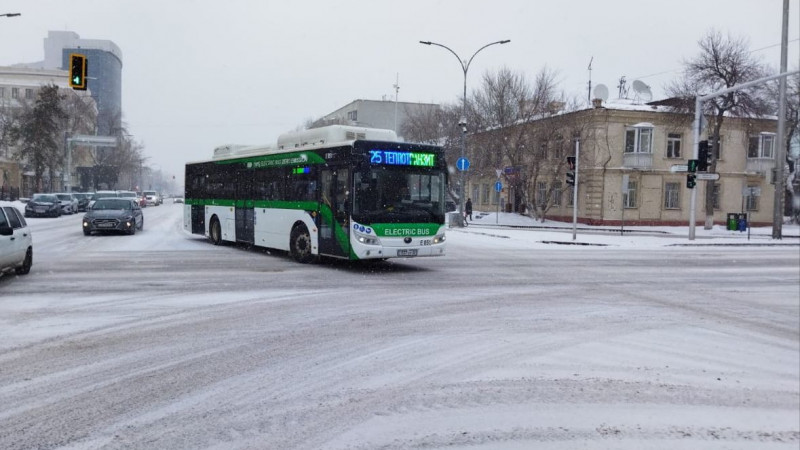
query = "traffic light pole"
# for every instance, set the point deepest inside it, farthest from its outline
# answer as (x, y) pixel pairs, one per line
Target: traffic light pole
(698, 115)
(575, 190)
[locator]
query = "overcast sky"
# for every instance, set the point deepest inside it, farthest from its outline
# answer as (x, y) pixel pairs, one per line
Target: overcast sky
(198, 74)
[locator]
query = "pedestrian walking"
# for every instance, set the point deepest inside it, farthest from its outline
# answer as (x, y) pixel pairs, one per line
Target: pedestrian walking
(468, 210)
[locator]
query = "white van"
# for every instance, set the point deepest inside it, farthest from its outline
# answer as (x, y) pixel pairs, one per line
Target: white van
(16, 242)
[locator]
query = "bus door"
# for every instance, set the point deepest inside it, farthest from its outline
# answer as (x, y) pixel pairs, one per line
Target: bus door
(334, 213)
(244, 207)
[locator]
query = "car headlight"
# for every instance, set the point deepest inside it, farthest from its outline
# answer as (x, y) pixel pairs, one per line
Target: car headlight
(439, 238)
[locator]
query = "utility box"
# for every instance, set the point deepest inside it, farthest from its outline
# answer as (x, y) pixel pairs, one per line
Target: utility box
(743, 222)
(733, 221)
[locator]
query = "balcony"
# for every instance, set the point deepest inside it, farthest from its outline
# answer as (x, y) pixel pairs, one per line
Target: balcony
(760, 165)
(637, 160)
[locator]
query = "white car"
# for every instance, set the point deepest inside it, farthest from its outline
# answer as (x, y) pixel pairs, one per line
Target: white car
(69, 203)
(16, 242)
(152, 198)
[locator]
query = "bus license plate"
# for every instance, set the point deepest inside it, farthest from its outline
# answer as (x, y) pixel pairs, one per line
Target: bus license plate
(407, 252)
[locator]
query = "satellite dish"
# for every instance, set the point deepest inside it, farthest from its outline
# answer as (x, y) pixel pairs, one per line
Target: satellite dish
(601, 92)
(642, 90)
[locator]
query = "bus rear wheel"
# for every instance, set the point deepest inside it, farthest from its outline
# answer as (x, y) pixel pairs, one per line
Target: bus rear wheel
(300, 245)
(215, 232)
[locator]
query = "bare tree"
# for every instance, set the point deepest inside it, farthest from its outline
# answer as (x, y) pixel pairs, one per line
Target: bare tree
(505, 109)
(792, 130)
(723, 62)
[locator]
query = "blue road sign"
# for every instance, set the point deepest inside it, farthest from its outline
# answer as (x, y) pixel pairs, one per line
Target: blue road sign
(462, 164)
(498, 186)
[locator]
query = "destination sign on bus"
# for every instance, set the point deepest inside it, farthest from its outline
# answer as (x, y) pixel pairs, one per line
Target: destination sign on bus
(395, 158)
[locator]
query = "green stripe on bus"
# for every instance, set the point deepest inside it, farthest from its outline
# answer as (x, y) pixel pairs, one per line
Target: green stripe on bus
(406, 229)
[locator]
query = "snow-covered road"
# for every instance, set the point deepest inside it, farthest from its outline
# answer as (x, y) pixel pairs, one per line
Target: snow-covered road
(161, 340)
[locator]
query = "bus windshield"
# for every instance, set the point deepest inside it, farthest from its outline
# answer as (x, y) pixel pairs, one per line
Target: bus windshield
(398, 195)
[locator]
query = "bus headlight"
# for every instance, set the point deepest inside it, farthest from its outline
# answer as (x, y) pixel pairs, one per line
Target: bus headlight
(368, 240)
(439, 238)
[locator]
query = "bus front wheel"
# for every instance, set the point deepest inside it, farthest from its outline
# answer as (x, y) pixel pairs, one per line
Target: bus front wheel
(215, 232)
(300, 245)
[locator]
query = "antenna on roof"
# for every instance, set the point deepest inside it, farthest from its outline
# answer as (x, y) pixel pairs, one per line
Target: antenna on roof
(642, 90)
(396, 94)
(590, 80)
(623, 90)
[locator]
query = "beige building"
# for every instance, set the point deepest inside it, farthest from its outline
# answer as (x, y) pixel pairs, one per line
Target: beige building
(629, 154)
(20, 86)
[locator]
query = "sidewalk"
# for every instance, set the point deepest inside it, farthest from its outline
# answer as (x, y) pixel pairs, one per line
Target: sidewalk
(553, 232)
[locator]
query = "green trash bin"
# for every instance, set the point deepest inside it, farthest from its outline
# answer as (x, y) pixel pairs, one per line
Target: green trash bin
(733, 221)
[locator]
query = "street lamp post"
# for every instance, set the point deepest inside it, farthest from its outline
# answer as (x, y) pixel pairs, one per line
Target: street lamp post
(463, 122)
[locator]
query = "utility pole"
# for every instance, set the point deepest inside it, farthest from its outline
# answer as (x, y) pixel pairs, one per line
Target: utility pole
(780, 150)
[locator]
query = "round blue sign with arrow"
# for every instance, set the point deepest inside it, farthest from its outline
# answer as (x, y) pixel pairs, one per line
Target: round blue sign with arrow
(462, 164)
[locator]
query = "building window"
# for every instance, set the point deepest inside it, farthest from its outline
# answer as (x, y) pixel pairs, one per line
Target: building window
(672, 196)
(571, 196)
(751, 201)
(673, 145)
(485, 193)
(29, 94)
(761, 146)
(639, 139)
(715, 195)
(2, 92)
(557, 194)
(14, 92)
(629, 195)
(352, 115)
(541, 194)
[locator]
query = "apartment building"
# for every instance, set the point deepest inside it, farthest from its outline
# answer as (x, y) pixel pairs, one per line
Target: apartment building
(630, 168)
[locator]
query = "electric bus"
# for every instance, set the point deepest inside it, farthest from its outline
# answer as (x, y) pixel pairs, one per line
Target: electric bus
(339, 191)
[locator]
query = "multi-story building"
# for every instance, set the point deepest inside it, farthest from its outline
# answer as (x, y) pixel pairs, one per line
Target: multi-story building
(390, 115)
(630, 168)
(20, 86)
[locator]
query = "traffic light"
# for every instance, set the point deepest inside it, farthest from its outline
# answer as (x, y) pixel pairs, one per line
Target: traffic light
(692, 165)
(77, 71)
(703, 156)
(691, 180)
(571, 162)
(571, 178)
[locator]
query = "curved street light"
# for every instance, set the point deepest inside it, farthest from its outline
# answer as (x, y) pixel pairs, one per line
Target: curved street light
(10, 15)
(463, 122)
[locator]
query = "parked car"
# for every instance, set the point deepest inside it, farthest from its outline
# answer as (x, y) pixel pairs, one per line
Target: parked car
(177, 199)
(152, 198)
(43, 205)
(69, 203)
(113, 214)
(83, 200)
(16, 241)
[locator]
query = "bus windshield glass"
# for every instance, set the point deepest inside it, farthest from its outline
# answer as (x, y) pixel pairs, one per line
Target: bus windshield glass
(387, 194)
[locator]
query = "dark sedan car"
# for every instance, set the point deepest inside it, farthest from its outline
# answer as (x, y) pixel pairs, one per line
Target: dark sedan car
(113, 214)
(43, 205)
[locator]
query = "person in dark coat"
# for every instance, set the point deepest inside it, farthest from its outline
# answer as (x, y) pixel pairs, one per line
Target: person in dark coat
(468, 210)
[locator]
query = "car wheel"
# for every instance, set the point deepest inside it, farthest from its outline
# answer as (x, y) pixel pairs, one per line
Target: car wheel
(87, 232)
(215, 232)
(300, 245)
(141, 224)
(132, 231)
(26, 265)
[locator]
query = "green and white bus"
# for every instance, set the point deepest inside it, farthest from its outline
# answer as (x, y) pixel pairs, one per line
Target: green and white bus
(342, 192)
